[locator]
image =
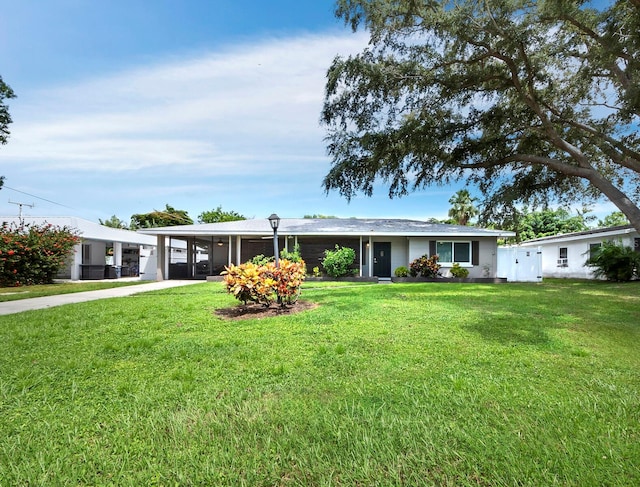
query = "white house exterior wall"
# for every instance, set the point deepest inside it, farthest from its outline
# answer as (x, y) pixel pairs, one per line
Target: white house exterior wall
(419, 246)
(488, 259)
(399, 252)
(578, 247)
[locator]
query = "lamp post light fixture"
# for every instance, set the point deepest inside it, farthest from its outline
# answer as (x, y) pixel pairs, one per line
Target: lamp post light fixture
(274, 221)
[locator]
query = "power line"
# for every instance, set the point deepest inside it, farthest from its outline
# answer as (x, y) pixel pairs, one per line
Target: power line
(34, 196)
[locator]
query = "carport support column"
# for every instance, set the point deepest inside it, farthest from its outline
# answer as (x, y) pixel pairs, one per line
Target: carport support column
(161, 256)
(238, 250)
(191, 257)
(370, 257)
(117, 254)
(361, 259)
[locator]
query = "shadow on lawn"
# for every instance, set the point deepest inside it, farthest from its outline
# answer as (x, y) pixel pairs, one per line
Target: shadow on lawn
(510, 329)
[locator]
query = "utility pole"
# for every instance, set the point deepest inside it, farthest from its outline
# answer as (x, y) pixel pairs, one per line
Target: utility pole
(20, 205)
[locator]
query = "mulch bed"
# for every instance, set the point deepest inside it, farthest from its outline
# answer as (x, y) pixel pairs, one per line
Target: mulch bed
(249, 311)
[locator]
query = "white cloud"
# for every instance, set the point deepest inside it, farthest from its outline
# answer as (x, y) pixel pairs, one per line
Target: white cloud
(218, 111)
(238, 128)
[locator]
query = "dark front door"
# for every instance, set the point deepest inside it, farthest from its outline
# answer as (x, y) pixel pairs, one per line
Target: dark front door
(382, 259)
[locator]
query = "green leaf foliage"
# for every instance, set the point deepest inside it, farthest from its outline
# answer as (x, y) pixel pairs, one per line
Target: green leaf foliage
(339, 262)
(549, 222)
(532, 102)
(458, 271)
(615, 262)
(219, 215)
(462, 207)
(401, 271)
(6, 93)
(167, 218)
(615, 219)
(33, 254)
(114, 222)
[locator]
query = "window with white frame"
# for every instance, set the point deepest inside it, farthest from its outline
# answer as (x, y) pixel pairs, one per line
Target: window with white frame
(451, 252)
(563, 260)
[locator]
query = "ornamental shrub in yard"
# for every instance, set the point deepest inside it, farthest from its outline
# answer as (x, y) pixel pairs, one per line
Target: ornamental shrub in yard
(457, 271)
(288, 277)
(338, 262)
(401, 271)
(615, 262)
(425, 266)
(33, 254)
(261, 284)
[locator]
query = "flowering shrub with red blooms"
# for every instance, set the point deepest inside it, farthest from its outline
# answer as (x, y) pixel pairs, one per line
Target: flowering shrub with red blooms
(262, 283)
(425, 266)
(33, 254)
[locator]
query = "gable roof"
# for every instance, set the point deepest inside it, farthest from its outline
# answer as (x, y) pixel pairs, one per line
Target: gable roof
(87, 229)
(332, 226)
(594, 232)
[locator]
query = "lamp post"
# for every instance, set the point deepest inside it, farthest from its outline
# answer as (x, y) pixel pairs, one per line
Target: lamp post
(274, 221)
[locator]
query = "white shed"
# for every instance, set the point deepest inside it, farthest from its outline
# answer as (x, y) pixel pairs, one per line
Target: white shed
(565, 255)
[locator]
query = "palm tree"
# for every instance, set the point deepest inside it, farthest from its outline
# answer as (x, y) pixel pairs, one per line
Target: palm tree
(462, 209)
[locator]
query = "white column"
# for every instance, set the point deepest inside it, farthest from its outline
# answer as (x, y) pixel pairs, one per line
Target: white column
(370, 257)
(238, 250)
(76, 261)
(117, 253)
(360, 254)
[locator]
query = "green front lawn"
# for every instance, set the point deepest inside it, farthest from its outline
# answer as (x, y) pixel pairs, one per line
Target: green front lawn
(26, 292)
(399, 384)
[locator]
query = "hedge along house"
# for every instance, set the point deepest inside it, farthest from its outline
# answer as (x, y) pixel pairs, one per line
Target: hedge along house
(381, 245)
(104, 252)
(565, 255)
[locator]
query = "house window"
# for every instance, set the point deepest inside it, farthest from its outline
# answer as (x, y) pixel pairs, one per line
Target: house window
(450, 252)
(563, 261)
(593, 248)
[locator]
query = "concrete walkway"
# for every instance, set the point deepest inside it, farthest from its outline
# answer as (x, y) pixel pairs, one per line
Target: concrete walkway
(19, 305)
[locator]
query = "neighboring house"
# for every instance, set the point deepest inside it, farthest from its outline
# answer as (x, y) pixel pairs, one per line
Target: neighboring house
(565, 255)
(104, 252)
(381, 245)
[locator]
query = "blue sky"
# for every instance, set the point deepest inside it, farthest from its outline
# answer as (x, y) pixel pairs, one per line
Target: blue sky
(125, 106)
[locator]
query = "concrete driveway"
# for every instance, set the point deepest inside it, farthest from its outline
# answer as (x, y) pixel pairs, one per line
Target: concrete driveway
(19, 305)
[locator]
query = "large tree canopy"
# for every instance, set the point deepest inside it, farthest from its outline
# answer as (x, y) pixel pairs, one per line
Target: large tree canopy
(530, 101)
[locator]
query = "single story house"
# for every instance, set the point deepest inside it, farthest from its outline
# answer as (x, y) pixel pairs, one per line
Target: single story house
(381, 245)
(564, 255)
(104, 252)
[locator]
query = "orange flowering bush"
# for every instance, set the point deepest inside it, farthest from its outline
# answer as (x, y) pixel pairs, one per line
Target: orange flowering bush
(288, 277)
(250, 282)
(263, 283)
(33, 254)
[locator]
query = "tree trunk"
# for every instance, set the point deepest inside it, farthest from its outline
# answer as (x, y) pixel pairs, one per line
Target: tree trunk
(618, 198)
